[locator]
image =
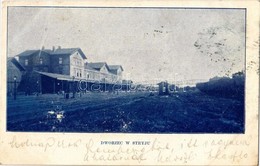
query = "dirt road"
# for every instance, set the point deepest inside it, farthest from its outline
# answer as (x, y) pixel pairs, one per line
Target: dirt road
(138, 112)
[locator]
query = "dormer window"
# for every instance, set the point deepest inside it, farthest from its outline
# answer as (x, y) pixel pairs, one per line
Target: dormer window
(40, 61)
(26, 62)
(60, 61)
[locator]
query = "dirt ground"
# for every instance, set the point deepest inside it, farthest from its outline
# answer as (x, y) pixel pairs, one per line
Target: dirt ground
(134, 112)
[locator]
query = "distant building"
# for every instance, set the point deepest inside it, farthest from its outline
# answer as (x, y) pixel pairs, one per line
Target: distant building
(69, 61)
(163, 88)
(15, 71)
(53, 70)
(102, 72)
(117, 70)
(126, 85)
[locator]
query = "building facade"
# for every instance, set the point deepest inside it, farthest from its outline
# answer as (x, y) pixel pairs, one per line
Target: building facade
(100, 71)
(58, 67)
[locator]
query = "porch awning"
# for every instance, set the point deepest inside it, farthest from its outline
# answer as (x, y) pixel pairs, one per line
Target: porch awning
(69, 78)
(58, 76)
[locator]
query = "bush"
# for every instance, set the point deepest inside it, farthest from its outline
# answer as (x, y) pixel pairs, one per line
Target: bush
(224, 86)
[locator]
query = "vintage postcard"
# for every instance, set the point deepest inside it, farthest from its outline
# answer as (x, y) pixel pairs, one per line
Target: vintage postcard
(129, 83)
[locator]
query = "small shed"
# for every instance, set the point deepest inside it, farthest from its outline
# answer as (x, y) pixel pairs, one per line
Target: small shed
(163, 88)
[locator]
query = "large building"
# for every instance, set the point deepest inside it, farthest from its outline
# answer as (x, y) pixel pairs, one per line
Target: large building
(101, 71)
(53, 70)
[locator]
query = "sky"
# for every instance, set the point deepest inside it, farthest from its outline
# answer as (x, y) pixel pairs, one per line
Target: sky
(152, 44)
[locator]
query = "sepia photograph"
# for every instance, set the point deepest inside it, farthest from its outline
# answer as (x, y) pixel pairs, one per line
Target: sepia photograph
(126, 70)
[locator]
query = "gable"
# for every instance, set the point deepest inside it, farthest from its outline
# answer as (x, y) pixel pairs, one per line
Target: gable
(78, 52)
(115, 68)
(104, 69)
(77, 55)
(120, 69)
(76, 59)
(98, 66)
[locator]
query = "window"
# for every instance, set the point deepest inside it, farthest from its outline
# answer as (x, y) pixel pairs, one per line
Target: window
(40, 61)
(26, 62)
(60, 61)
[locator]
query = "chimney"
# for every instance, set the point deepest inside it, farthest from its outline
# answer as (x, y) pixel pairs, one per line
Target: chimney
(53, 48)
(59, 47)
